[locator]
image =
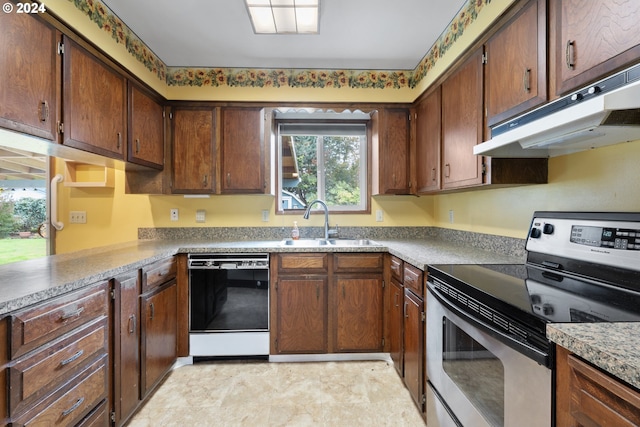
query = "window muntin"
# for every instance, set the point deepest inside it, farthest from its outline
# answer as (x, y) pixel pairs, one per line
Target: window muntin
(324, 160)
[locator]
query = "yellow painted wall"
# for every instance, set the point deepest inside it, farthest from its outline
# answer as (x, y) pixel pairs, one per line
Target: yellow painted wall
(604, 179)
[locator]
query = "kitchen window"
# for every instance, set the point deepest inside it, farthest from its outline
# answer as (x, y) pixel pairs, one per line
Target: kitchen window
(323, 156)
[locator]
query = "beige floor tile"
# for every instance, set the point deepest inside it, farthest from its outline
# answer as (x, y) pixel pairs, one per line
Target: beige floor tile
(332, 394)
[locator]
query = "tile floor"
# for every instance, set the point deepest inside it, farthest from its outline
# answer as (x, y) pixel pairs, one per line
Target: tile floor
(223, 394)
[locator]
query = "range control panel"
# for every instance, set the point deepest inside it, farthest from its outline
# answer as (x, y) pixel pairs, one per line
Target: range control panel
(607, 237)
(601, 238)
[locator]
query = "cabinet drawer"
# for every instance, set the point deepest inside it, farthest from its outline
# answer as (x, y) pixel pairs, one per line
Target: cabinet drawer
(412, 278)
(395, 265)
(36, 375)
(357, 262)
(303, 263)
(69, 404)
(598, 399)
(99, 417)
(39, 324)
(154, 275)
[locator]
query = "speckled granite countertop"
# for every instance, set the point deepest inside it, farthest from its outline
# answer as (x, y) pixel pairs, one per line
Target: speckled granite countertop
(28, 282)
(614, 347)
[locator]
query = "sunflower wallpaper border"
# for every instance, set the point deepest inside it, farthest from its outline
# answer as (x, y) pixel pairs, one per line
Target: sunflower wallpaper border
(104, 18)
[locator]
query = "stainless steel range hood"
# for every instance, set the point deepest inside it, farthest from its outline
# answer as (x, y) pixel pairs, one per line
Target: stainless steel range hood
(605, 113)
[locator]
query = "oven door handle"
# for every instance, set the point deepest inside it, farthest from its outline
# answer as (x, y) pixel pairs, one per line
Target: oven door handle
(524, 348)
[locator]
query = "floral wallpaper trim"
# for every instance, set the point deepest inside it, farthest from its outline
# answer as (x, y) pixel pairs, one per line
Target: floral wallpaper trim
(104, 18)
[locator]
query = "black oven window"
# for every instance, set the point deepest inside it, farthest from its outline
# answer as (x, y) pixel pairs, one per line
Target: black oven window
(477, 372)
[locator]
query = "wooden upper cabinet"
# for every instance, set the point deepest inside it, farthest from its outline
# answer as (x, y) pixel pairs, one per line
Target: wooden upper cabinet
(594, 38)
(428, 142)
(392, 165)
(95, 103)
(516, 64)
(146, 129)
(242, 156)
(462, 124)
(193, 150)
(30, 68)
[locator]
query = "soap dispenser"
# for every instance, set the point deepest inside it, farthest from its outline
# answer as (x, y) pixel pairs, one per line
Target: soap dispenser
(295, 233)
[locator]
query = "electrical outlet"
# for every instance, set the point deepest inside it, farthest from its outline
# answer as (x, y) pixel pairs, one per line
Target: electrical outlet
(265, 215)
(379, 215)
(451, 216)
(174, 214)
(78, 217)
(201, 215)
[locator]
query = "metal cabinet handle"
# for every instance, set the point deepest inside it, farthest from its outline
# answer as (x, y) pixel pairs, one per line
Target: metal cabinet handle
(119, 140)
(137, 145)
(71, 314)
(152, 311)
(228, 179)
(447, 170)
(526, 80)
(74, 407)
(72, 358)
(317, 292)
(569, 54)
(406, 312)
(433, 174)
(132, 323)
(205, 180)
(395, 299)
(44, 111)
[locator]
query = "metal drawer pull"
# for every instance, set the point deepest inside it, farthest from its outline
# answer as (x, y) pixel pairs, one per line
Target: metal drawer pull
(137, 145)
(526, 80)
(72, 358)
(406, 311)
(119, 141)
(74, 407)
(69, 315)
(569, 54)
(132, 323)
(44, 111)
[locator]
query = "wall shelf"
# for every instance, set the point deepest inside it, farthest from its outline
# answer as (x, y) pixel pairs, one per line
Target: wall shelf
(88, 176)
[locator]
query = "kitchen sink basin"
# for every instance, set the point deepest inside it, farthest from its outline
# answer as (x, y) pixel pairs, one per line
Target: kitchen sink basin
(310, 243)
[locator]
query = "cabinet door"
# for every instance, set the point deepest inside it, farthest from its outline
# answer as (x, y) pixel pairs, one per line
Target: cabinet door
(30, 69)
(126, 364)
(516, 64)
(428, 142)
(414, 346)
(146, 129)
(193, 150)
(393, 153)
(358, 313)
(95, 103)
(159, 332)
(242, 151)
(594, 38)
(396, 305)
(462, 125)
(301, 322)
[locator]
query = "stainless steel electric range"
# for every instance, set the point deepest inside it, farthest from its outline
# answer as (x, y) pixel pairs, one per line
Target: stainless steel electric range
(489, 362)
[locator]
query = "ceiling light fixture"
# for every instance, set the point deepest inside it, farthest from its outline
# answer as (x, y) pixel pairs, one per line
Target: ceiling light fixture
(284, 16)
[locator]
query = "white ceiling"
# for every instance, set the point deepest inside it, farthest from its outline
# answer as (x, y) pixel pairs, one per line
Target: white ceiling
(354, 34)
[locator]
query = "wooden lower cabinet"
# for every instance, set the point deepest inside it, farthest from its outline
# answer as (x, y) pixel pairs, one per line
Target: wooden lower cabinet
(326, 303)
(358, 313)
(586, 396)
(126, 347)
(301, 322)
(414, 350)
(58, 370)
(396, 322)
(159, 333)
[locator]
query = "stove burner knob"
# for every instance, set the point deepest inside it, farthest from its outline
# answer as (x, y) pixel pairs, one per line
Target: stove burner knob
(548, 229)
(547, 309)
(535, 233)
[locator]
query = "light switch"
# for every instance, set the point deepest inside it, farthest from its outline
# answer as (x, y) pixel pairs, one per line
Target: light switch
(201, 215)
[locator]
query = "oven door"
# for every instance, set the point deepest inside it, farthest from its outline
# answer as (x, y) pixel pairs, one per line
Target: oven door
(478, 381)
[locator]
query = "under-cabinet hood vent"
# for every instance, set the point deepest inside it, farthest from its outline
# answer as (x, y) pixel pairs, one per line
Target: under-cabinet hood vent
(605, 113)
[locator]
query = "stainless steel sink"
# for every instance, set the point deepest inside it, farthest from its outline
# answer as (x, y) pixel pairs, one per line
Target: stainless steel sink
(310, 243)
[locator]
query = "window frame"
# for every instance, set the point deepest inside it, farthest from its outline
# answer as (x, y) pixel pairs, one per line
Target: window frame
(365, 174)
